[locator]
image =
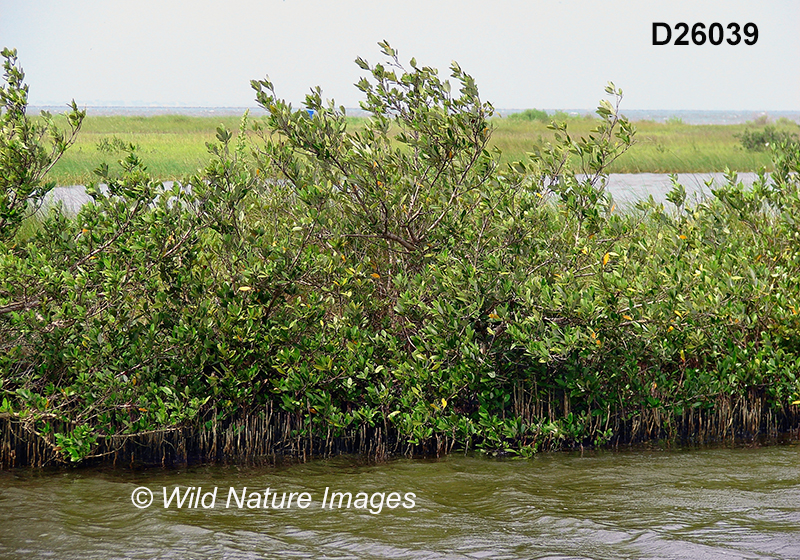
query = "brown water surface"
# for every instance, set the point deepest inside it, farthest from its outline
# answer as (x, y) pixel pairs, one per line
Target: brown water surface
(700, 503)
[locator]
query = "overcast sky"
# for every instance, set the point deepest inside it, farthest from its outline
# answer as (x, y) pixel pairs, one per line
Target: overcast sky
(522, 53)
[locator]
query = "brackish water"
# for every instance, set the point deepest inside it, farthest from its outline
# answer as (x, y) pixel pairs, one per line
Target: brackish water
(731, 503)
(687, 117)
(625, 188)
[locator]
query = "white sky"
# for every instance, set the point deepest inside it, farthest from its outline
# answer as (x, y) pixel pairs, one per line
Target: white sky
(522, 53)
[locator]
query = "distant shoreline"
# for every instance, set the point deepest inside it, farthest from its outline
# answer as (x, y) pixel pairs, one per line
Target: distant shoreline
(688, 117)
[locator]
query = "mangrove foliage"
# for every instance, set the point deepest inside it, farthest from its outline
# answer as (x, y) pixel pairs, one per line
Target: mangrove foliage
(390, 288)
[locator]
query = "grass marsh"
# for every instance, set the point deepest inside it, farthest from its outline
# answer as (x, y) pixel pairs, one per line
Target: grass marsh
(174, 146)
(659, 147)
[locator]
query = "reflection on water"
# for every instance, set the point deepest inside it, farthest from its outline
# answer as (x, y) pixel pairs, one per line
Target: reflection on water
(702, 503)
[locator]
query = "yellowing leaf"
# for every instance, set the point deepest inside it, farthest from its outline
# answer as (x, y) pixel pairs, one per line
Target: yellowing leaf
(681, 236)
(444, 403)
(627, 317)
(606, 258)
(375, 275)
(245, 288)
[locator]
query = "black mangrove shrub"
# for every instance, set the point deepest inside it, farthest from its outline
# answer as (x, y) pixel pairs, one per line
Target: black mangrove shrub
(28, 149)
(531, 115)
(388, 276)
(761, 140)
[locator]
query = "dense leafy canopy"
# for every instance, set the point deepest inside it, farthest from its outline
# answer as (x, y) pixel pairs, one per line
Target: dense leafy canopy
(393, 276)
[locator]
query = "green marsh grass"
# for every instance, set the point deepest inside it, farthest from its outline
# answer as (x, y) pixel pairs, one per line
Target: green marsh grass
(29, 226)
(660, 147)
(174, 146)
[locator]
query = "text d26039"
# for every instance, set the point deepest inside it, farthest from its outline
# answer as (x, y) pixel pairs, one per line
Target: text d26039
(700, 33)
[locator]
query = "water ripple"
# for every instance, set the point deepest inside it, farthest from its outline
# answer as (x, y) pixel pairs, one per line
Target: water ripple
(706, 503)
